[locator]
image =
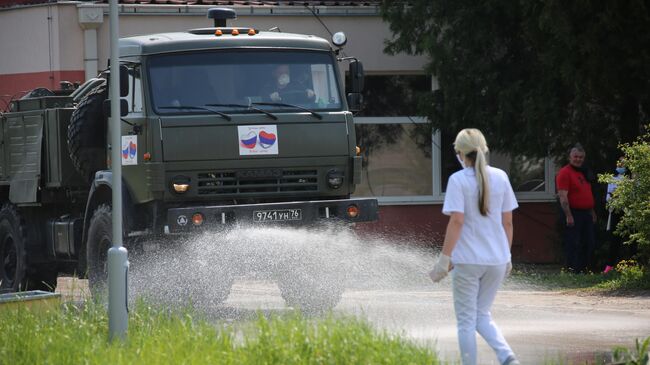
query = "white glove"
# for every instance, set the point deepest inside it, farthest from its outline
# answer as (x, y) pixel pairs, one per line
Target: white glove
(441, 268)
(508, 268)
(275, 96)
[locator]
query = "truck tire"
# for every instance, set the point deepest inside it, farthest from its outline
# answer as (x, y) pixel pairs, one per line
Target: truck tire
(100, 239)
(87, 133)
(13, 272)
(174, 275)
(203, 293)
(212, 290)
(16, 274)
(310, 288)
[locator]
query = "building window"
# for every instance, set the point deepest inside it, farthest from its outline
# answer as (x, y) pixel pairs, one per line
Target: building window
(405, 164)
(392, 95)
(531, 178)
(396, 145)
(396, 160)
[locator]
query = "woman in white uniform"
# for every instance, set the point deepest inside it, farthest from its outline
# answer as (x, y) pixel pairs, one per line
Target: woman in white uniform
(479, 200)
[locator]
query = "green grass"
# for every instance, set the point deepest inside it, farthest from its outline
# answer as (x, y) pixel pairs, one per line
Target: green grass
(158, 336)
(163, 336)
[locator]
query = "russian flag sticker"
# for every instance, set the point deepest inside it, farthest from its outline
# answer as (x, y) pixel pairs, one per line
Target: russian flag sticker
(258, 140)
(249, 141)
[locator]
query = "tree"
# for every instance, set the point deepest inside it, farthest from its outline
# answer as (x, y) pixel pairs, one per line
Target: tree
(535, 76)
(632, 196)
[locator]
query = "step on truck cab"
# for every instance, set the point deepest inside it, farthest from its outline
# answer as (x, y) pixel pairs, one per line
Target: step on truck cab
(220, 126)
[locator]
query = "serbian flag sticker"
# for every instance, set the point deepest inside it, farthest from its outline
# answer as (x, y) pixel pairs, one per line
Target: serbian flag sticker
(258, 140)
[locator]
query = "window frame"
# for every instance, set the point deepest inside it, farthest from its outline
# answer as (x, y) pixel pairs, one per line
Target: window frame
(402, 200)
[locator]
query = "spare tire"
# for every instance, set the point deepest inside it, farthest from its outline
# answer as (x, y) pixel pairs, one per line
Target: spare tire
(87, 133)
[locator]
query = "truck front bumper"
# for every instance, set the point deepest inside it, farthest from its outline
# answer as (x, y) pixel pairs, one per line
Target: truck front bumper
(286, 213)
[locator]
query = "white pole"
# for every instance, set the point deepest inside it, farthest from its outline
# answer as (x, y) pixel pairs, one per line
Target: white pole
(118, 264)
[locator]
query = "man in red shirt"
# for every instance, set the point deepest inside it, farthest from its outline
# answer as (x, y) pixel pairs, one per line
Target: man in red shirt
(577, 202)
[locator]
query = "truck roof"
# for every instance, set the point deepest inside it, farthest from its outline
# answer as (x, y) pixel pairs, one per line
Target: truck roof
(205, 38)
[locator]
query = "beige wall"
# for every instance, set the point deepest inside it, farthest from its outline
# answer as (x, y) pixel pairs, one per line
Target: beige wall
(71, 40)
(24, 40)
(31, 43)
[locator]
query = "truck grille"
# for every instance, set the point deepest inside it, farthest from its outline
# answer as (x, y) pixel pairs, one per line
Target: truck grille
(257, 181)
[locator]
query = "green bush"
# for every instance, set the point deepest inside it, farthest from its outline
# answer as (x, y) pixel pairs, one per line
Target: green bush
(632, 197)
(627, 275)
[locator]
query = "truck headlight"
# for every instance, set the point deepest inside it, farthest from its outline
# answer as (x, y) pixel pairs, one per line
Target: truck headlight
(180, 184)
(181, 188)
(334, 179)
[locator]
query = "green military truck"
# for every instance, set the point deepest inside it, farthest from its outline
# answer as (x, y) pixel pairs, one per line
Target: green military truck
(219, 125)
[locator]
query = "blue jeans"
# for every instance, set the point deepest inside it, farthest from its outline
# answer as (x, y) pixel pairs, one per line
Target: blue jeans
(579, 240)
(475, 287)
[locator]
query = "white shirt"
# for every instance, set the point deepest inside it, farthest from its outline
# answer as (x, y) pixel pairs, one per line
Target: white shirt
(482, 239)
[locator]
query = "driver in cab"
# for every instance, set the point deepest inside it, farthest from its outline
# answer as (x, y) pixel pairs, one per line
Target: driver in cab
(284, 89)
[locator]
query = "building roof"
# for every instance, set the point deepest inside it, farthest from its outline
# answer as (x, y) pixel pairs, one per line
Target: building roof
(262, 3)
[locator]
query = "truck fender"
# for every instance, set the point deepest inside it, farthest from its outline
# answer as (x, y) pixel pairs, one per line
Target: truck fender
(101, 191)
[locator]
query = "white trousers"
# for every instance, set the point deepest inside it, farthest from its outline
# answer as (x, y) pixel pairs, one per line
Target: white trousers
(474, 288)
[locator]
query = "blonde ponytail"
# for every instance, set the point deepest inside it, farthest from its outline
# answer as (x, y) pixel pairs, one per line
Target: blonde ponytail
(480, 166)
(471, 143)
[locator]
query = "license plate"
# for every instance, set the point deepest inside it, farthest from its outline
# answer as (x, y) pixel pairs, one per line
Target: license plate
(277, 215)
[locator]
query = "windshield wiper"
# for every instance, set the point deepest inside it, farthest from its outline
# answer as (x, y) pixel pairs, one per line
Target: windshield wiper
(247, 107)
(192, 107)
(319, 116)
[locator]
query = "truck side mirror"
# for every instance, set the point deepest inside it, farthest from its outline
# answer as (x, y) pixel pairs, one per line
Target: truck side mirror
(124, 81)
(354, 101)
(124, 107)
(356, 76)
(354, 97)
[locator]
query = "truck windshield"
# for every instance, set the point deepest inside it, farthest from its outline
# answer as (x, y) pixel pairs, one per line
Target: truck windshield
(243, 81)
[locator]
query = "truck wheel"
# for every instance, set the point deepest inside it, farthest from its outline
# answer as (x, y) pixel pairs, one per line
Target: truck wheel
(13, 272)
(175, 276)
(87, 133)
(209, 291)
(220, 288)
(310, 288)
(100, 239)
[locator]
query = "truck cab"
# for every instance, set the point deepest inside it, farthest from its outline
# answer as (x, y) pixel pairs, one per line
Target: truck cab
(232, 124)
